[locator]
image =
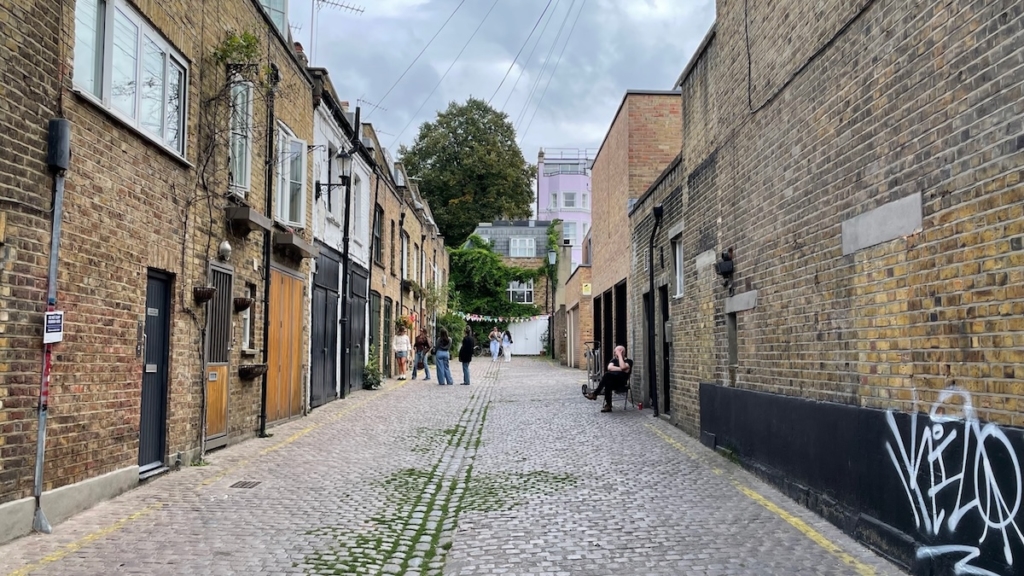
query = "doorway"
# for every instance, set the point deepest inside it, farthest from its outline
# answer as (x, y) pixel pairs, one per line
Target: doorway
(156, 353)
(284, 347)
(358, 285)
(323, 349)
(218, 357)
(666, 351)
(388, 330)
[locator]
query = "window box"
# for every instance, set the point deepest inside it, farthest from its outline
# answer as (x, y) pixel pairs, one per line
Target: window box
(246, 219)
(295, 245)
(251, 371)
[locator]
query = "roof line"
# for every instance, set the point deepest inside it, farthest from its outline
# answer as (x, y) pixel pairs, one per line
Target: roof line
(657, 182)
(701, 49)
(628, 93)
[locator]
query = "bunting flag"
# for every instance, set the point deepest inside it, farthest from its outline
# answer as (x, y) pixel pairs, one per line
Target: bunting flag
(511, 319)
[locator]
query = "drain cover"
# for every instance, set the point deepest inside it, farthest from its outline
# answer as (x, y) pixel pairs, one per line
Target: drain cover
(245, 484)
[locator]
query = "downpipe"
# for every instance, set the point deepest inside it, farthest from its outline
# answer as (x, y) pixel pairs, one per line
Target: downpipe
(659, 211)
(58, 159)
(267, 239)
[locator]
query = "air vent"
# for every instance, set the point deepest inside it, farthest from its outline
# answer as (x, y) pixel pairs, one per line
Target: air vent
(245, 484)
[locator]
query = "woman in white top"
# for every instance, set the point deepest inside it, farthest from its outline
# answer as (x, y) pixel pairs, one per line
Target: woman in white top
(402, 346)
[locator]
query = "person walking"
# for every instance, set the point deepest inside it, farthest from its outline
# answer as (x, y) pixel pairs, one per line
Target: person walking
(466, 353)
(506, 345)
(401, 347)
(495, 338)
(442, 358)
(422, 348)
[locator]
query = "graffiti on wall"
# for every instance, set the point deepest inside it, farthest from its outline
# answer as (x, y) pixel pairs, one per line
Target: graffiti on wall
(963, 482)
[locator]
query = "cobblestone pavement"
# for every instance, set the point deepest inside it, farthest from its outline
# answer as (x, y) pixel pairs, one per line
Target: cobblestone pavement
(515, 474)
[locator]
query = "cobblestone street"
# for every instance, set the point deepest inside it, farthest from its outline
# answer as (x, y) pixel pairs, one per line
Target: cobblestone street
(515, 474)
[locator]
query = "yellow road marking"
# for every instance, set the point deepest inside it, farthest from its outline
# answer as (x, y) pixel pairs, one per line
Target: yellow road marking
(803, 527)
(82, 542)
(90, 538)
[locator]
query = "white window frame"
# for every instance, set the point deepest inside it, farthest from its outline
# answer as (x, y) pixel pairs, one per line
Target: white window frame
(286, 146)
(566, 226)
(282, 26)
(525, 288)
(405, 255)
(357, 208)
(247, 321)
(522, 247)
(586, 201)
(569, 200)
(677, 257)
(240, 185)
(101, 93)
(553, 205)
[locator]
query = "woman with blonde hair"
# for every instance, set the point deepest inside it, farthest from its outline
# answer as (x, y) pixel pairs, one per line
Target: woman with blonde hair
(401, 346)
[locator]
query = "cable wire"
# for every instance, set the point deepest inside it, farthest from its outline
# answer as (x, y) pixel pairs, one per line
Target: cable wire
(530, 57)
(547, 60)
(414, 60)
(553, 70)
(436, 86)
(521, 48)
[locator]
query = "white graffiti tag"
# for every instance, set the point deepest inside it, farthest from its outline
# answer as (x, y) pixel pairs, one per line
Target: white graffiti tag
(929, 469)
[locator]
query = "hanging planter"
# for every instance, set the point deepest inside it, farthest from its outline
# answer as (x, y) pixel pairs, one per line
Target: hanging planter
(242, 303)
(203, 294)
(251, 371)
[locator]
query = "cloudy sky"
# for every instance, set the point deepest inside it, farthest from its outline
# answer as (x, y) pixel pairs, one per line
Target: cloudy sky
(615, 45)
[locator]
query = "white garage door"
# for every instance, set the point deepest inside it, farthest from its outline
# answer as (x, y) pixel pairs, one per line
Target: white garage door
(528, 337)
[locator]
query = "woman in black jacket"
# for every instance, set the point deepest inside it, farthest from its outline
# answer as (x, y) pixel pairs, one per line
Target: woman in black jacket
(466, 354)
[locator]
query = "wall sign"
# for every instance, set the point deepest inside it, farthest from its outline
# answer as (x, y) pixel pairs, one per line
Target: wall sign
(53, 329)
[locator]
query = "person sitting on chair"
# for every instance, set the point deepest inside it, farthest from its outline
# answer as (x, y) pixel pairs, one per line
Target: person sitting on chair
(615, 379)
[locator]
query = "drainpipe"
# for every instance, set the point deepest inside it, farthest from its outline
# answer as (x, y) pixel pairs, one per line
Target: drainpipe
(269, 162)
(659, 211)
(58, 158)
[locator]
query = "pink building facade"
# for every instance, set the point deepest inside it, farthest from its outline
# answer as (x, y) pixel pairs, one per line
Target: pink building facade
(563, 192)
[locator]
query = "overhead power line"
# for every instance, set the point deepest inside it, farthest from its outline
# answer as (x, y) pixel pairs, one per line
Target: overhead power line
(539, 102)
(443, 76)
(510, 66)
(547, 60)
(530, 57)
(414, 60)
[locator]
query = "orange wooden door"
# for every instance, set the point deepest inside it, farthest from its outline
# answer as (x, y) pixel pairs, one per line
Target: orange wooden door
(216, 401)
(284, 355)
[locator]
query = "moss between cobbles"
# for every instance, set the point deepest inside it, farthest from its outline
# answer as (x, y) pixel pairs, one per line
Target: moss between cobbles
(405, 536)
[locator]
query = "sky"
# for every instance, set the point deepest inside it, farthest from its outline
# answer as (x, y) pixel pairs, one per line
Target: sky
(614, 45)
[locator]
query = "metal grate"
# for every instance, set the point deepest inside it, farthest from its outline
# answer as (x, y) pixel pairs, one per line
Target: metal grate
(245, 484)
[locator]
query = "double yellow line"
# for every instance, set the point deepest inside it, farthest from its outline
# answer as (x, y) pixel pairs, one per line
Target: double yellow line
(803, 527)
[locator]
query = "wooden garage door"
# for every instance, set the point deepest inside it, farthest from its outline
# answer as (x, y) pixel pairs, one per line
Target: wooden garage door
(284, 354)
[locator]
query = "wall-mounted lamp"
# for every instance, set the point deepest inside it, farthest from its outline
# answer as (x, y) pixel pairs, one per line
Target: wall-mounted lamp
(345, 162)
(725, 268)
(224, 251)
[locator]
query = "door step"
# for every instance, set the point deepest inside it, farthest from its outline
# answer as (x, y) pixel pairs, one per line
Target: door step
(154, 472)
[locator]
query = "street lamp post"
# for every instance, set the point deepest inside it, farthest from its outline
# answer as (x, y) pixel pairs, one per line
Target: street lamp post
(552, 258)
(345, 160)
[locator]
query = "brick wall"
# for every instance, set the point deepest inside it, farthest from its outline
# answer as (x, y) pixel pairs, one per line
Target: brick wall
(908, 99)
(29, 88)
(580, 308)
(131, 206)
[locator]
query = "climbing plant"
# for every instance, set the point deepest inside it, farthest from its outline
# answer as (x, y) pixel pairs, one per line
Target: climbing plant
(481, 280)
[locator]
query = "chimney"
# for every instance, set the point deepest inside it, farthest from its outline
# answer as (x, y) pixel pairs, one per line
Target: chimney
(301, 54)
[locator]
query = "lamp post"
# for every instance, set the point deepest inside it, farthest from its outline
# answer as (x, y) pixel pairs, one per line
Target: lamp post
(344, 158)
(552, 258)
(659, 211)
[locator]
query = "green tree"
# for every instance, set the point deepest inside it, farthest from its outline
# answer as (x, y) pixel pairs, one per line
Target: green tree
(470, 169)
(481, 280)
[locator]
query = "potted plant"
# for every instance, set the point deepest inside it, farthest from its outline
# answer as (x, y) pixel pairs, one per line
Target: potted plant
(203, 294)
(251, 371)
(242, 303)
(372, 375)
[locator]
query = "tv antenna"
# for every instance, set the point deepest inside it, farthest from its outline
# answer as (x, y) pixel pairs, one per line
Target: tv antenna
(371, 104)
(321, 4)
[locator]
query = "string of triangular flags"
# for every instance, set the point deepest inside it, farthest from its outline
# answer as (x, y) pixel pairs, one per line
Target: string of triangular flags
(512, 319)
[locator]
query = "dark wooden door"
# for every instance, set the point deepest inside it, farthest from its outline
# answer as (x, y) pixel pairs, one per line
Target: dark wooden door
(323, 347)
(357, 332)
(387, 331)
(153, 416)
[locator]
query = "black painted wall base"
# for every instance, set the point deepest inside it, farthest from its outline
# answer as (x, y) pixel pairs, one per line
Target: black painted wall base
(937, 493)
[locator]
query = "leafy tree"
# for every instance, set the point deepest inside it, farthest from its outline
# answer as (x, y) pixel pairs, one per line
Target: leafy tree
(481, 280)
(470, 169)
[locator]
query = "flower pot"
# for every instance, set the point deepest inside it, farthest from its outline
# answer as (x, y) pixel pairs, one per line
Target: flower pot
(251, 371)
(242, 303)
(203, 294)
